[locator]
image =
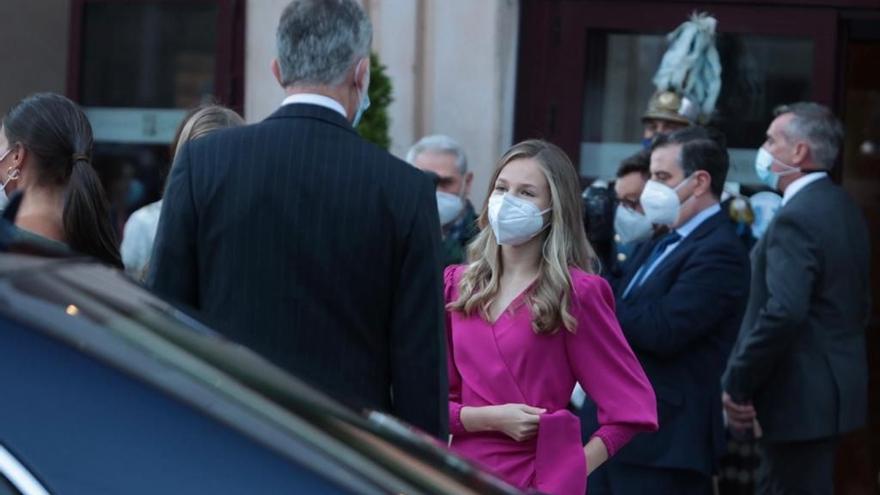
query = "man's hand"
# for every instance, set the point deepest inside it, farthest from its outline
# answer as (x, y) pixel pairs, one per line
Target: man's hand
(740, 416)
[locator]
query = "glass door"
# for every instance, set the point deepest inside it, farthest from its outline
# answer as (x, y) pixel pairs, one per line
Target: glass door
(586, 67)
(136, 67)
(759, 72)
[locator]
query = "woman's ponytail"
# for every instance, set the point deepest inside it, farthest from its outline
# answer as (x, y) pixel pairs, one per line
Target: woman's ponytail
(59, 135)
(86, 214)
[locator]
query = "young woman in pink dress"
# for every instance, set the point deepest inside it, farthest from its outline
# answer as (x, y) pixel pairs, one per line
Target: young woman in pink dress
(526, 319)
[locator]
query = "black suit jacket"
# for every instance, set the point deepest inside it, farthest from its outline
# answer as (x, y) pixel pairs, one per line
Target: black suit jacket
(682, 323)
(318, 250)
(800, 356)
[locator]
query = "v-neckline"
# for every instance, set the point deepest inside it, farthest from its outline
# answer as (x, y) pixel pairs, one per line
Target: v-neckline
(510, 308)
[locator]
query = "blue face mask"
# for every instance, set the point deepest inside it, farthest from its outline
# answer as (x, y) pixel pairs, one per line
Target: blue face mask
(646, 143)
(763, 163)
(364, 105)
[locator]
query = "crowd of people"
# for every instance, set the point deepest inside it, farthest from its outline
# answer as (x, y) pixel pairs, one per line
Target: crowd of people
(297, 238)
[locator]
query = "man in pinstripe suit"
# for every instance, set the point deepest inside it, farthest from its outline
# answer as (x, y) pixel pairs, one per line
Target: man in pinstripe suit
(304, 242)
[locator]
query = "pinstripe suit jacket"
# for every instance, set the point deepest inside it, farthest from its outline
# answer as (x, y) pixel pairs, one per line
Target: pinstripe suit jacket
(318, 250)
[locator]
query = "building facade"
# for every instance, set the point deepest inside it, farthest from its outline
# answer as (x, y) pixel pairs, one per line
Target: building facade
(486, 72)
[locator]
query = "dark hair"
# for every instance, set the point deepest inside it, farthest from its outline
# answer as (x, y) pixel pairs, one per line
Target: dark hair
(701, 149)
(640, 162)
(59, 136)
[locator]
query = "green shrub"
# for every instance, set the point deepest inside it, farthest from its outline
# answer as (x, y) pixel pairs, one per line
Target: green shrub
(374, 124)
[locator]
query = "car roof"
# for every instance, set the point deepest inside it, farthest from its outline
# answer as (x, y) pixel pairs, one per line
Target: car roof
(11, 262)
(237, 373)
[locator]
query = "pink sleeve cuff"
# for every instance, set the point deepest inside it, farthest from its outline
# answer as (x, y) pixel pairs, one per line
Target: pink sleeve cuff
(615, 437)
(455, 425)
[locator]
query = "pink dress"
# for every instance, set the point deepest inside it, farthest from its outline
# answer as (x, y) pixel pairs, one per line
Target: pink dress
(508, 363)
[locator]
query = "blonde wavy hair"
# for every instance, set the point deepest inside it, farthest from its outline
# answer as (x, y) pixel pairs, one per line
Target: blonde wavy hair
(203, 120)
(198, 122)
(565, 245)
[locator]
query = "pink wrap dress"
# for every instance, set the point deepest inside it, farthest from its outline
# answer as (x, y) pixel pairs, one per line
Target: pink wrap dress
(507, 362)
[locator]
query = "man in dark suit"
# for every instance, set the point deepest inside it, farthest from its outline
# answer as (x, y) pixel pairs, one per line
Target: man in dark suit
(680, 307)
(800, 360)
(306, 243)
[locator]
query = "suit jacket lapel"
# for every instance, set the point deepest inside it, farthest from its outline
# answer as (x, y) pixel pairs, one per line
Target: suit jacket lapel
(638, 258)
(801, 195)
(682, 249)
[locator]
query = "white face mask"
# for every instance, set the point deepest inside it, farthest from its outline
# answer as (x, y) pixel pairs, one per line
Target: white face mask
(661, 203)
(631, 226)
(514, 221)
(449, 206)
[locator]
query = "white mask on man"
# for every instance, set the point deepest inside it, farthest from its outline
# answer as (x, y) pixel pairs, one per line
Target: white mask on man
(631, 226)
(661, 203)
(449, 206)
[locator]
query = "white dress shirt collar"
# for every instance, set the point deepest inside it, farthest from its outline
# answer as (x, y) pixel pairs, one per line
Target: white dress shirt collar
(796, 186)
(685, 230)
(692, 224)
(316, 99)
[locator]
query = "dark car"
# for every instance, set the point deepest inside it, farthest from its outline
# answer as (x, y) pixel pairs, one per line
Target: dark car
(107, 389)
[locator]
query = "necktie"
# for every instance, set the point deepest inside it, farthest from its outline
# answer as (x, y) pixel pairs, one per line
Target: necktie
(659, 249)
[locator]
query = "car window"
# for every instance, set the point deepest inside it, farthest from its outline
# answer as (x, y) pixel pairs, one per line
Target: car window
(387, 439)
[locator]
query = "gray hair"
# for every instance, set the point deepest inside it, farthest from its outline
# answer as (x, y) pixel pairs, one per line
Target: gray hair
(438, 143)
(319, 40)
(815, 124)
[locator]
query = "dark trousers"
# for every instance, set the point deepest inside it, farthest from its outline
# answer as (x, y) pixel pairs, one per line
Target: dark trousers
(797, 468)
(616, 478)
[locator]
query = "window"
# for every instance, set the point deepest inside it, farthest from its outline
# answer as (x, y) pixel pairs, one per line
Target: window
(758, 73)
(136, 68)
(148, 54)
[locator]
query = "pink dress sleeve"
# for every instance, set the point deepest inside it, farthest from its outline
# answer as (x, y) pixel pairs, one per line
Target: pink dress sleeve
(450, 280)
(606, 367)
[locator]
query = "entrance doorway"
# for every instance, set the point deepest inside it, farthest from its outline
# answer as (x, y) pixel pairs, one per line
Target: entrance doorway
(136, 67)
